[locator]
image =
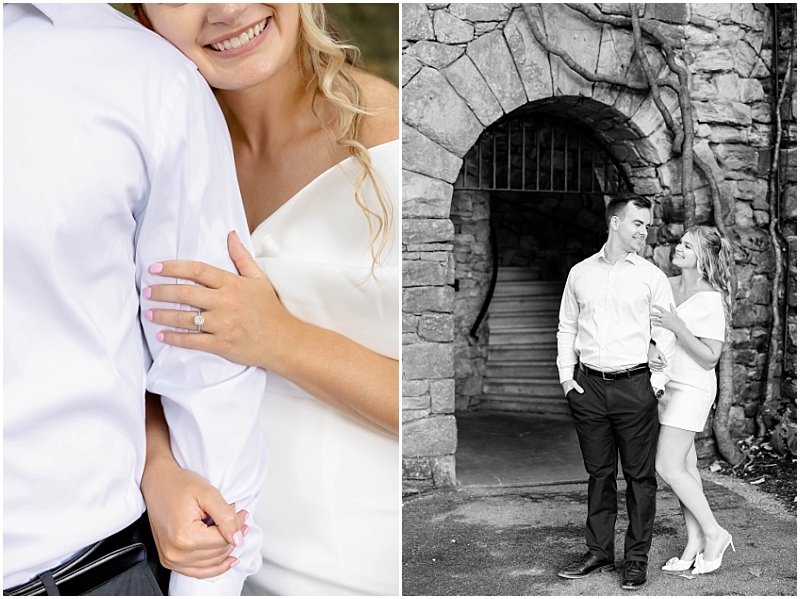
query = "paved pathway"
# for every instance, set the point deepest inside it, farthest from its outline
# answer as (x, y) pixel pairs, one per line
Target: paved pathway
(507, 529)
(500, 541)
(513, 449)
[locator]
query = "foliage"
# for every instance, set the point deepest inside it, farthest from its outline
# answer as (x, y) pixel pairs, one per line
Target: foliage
(784, 437)
(374, 29)
(774, 472)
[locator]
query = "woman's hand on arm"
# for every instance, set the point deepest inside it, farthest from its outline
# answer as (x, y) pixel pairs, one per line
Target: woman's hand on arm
(705, 352)
(246, 323)
(180, 504)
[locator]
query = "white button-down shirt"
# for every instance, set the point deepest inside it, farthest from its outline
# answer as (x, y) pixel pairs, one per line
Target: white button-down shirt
(116, 157)
(604, 319)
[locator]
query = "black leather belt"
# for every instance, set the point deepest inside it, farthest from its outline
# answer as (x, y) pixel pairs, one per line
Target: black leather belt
(617, 374)
(98, 563)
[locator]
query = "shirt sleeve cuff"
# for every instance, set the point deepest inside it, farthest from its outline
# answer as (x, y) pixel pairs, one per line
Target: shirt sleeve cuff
(567, 373)
(658, 380)
(229, 584)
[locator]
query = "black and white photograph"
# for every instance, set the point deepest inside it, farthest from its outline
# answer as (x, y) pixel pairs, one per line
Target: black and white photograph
(599, 299)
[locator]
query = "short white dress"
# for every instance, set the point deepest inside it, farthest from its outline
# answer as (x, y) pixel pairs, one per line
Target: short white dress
(691, 391)
(330, 505)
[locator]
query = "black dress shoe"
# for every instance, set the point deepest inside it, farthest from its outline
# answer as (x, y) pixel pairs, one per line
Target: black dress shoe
(585, 566)
(634, 575)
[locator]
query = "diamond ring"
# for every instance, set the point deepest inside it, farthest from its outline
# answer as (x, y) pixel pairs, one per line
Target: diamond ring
(199, 320)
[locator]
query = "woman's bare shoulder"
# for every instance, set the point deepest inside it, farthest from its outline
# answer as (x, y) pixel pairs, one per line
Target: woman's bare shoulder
(704, 285)
(381, 99)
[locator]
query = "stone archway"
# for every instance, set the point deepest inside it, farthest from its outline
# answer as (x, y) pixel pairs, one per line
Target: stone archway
(514, 242)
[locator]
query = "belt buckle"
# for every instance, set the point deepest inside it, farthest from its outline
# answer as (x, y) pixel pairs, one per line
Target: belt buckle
(607, 378)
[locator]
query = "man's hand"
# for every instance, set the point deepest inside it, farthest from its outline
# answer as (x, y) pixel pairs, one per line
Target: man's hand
(180, 503)
(569, 385)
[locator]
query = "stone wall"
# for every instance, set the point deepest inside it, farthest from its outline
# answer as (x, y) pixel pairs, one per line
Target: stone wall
(429, 432)
(467, 65)
(473, 260)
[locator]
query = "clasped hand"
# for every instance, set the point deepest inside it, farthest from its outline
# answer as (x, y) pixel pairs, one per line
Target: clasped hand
(179, 505)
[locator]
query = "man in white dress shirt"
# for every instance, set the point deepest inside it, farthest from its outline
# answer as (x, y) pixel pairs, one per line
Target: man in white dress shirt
(604, 334)
(116, 157)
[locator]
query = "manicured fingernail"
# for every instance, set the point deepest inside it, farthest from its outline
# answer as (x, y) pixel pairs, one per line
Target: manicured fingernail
(156, 268)
(149, 315)
(160, 336)
(238, 539)
(146, 293)
(234, 563)
(245, 530)
(237, 237)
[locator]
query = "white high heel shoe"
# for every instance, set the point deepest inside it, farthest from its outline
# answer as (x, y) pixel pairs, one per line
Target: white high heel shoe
(706, 567)
(676, 565)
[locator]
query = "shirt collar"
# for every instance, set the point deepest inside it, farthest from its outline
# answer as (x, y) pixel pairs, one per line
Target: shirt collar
(631, 257)
(51, 11)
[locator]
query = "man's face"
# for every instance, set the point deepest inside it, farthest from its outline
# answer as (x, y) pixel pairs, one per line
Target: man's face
(630, 227)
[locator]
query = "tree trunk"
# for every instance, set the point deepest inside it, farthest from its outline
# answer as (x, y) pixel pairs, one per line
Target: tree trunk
(722, 433)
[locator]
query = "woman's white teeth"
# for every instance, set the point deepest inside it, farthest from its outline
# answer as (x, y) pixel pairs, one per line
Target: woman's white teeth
(242, 38)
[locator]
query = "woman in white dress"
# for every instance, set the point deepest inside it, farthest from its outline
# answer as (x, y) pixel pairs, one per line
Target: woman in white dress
(703, 293)
(317, 157)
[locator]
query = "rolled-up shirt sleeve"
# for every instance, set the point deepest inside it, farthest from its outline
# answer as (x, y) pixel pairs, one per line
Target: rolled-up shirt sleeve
(211, 404)
(567, 332)
(664, 338)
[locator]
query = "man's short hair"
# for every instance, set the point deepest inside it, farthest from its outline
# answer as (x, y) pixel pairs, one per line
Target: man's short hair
(619, 201)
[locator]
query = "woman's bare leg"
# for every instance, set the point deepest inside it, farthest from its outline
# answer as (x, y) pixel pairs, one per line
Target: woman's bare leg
(674, 446)
(694, 542)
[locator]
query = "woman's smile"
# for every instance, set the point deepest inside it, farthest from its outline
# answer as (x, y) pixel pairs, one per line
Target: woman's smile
(235, 46)
(242, 40)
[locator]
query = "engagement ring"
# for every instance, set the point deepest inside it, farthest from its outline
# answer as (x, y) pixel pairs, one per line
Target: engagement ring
(199, 320)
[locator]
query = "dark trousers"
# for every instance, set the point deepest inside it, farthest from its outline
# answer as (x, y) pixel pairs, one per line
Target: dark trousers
(618, 417)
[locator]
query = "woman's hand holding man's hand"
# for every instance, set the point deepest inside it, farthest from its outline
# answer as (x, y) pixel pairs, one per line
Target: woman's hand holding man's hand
(180, 506)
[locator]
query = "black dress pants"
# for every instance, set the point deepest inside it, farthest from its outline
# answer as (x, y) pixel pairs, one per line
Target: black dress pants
(617, 417)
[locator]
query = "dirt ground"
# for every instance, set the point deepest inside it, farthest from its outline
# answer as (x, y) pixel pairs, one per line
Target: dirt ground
(512, 541)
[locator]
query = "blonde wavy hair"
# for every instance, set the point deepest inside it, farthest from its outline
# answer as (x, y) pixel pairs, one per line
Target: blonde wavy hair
(328, 60)
(715, 263)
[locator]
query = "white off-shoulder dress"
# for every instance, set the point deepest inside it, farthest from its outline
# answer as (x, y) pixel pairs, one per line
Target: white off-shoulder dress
(330, 505)
(691, 391)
